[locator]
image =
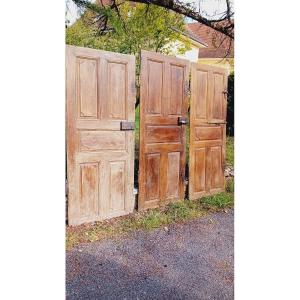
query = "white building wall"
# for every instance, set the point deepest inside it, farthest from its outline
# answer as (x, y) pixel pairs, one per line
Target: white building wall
(191, 55)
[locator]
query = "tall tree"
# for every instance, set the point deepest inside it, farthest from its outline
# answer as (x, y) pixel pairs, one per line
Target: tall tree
(184, 8)
(129, 29)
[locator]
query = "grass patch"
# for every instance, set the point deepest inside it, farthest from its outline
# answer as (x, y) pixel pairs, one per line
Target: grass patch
(181, 211)
(152, 219)
(229, 185)
(219, 201)
(230, 151)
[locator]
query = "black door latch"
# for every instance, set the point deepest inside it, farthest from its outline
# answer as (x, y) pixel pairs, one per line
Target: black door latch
(126, 125)
(182, 121)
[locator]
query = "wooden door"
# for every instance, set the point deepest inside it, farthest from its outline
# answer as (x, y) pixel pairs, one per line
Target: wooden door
(207, 130)
(100, 92)
(164, 87)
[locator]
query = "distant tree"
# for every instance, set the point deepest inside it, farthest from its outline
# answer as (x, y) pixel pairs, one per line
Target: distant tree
(129, 29)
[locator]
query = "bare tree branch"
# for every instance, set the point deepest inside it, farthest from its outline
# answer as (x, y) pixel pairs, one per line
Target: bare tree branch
(182, 8)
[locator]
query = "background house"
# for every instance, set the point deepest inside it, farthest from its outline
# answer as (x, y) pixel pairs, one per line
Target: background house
(219, 49)
(196, 43)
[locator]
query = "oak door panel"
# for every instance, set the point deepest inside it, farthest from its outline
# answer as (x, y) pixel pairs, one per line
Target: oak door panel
(207, 130)
(164, 81)
(100, 94)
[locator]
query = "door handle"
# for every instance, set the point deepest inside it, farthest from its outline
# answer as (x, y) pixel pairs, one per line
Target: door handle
(182, 121)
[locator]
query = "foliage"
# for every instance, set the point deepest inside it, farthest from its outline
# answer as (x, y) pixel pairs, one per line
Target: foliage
(134, 28)
(230, 185)
(223, 23)
(230, 151)
(218, 201)
(230, 105)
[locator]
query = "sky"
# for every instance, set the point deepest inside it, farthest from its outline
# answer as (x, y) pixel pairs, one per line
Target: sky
(209, 8)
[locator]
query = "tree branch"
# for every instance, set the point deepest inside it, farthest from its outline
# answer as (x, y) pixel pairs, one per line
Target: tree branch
(184, 9)
(115, 6)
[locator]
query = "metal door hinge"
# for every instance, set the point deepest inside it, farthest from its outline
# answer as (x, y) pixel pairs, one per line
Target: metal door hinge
(126, 125)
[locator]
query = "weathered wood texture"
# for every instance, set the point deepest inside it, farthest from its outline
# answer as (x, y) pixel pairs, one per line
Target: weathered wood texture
(100, 94)
(207, 130)
(164, 98)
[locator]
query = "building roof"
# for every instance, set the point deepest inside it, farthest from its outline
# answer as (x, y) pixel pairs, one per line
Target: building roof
(218, 44)
(190, 34)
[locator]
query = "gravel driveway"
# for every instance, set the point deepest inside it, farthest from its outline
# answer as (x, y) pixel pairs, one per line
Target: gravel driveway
(188, 261)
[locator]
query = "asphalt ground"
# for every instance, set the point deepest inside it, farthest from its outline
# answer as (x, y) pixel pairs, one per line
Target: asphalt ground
(193, 260)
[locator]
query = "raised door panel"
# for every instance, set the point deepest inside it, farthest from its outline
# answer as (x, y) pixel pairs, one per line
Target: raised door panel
(100, 94)
(87, 87)
(88, 193)
(162, 140)
(199, 170)
(200, 94)
(217, 99)
(152, 178)
(207, 133)
(217, 175)
(177, 82)
(117, 187)
(173, 175)
(162, 134)
(117, 90)
(96, 140)
(154, 87)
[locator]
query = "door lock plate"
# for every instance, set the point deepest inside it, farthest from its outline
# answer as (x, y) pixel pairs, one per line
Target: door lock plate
(127, 125)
